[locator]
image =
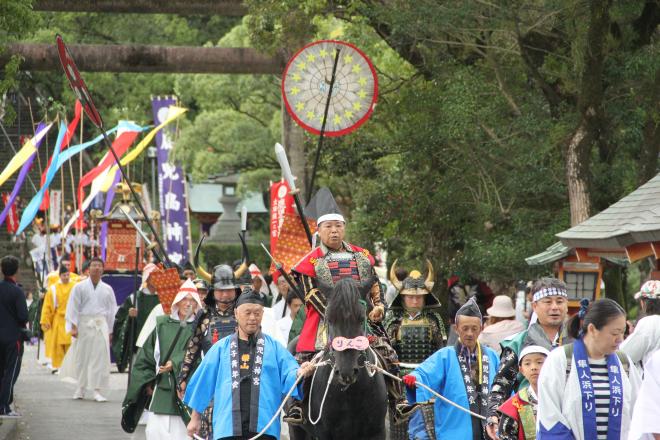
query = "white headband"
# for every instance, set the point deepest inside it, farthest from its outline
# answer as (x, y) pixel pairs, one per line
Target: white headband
(327, 217)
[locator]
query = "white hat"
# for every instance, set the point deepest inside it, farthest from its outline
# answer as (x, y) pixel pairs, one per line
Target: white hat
(502, 307)
(532, 349)
(146, 271)
(187, 288)
(256, 272)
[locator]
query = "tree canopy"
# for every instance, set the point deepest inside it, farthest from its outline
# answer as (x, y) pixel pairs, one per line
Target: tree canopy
(499, 123)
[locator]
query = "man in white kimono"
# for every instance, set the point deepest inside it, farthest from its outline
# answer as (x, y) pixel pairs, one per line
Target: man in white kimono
(90, 314)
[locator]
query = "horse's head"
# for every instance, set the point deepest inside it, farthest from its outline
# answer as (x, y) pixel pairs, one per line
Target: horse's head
(345, 315)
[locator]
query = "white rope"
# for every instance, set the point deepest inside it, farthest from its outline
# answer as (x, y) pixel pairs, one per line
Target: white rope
(371, 373)
(279, 410)
(419, 384)
(325, 394)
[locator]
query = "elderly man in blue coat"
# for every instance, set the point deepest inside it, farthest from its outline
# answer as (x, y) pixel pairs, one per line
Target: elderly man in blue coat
(247, 374)
(463, 374)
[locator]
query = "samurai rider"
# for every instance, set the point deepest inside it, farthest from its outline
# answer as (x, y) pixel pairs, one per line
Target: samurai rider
(326, 264)
(214, 324)
(414, 325)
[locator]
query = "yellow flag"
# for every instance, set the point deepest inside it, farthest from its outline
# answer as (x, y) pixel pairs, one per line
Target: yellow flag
(173, 114)
(23, 155)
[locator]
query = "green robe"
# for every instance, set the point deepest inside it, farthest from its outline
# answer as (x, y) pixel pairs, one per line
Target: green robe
(164, 399)
(297, 325)
(33, 311)
(121, 328)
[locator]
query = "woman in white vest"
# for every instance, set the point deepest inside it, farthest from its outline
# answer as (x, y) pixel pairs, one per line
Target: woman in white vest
(587, 389)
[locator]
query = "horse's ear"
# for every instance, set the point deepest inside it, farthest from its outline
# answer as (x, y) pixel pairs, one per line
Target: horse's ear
(366, 284)
(325, 288)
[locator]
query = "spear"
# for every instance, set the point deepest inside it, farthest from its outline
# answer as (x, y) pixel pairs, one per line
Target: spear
(295, 192)
(280, 268)
(81, 91)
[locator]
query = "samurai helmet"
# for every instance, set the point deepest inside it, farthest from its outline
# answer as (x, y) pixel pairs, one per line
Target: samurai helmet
(223, 276)
(414, 284)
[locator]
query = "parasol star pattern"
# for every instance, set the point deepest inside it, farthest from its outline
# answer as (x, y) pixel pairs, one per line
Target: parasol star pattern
(306, 83)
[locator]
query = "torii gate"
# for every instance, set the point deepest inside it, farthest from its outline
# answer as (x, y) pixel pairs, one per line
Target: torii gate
(163, 59)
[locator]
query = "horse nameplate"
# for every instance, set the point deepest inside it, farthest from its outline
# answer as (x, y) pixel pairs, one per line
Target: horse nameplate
(358, 343)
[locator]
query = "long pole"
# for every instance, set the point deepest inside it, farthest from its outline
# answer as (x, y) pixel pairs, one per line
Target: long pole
(11, 145)
(163, 259)
(79, 244)
(80, 89)
(310, 188)
(133, 324)
(280, 268)
(153, 183)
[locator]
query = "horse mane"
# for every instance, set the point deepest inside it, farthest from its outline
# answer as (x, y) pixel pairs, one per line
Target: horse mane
(344, 305)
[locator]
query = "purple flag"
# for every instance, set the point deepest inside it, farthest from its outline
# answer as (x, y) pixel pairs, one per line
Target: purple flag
(23, 174)
(171, 189)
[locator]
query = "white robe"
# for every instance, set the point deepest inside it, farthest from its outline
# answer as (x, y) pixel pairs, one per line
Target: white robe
(165, 427)
(283, 330)
(149, 325)
(646, 416)
(644, 341)
(561, 402)
(92, 311)
(278, 308)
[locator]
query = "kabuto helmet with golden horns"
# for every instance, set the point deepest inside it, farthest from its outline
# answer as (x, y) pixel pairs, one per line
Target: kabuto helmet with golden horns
(414, 284)
(223, 277)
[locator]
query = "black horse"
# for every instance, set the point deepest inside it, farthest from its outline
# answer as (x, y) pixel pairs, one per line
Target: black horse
(345, 400)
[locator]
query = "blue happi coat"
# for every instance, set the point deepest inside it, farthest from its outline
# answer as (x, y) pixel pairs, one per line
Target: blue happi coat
(442, 372)
(212, 380)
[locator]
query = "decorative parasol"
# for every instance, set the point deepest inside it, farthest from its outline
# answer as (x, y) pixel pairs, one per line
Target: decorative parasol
(306, 82)
(329, 88)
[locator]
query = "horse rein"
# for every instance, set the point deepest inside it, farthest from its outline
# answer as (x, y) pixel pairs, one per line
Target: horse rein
(331, 361)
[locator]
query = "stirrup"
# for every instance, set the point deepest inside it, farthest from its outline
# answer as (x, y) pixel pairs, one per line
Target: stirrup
(294, 416)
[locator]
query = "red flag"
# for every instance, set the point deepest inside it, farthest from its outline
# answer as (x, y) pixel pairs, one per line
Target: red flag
(45, 202)
(12, 216)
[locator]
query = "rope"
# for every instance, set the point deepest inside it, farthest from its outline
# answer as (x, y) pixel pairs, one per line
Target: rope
(419, 384)
(279, 410)
(325, 394)
(371, 373)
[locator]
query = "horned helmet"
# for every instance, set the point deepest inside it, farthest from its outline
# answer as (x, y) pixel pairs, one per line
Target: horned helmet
(223, 276)
(414, 284)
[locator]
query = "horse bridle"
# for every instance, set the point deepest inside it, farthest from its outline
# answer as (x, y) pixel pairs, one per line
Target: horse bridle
(362, 357)
(329, 351)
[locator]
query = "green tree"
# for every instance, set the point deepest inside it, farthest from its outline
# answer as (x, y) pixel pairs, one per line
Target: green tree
(16, 18)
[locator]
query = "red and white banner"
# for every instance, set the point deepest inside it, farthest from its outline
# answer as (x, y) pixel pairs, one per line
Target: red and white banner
(281, 203)
(12, 215)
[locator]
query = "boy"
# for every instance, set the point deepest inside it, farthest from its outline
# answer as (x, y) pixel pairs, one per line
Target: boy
(518, 414)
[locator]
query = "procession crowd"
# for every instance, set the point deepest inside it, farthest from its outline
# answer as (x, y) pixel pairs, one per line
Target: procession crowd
(219, 359)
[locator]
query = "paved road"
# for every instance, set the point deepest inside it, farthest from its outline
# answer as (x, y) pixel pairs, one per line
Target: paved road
(50, 413)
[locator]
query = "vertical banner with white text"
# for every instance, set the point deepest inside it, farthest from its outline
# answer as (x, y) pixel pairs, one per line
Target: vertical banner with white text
(171, 188)
(55, 209)
(281, 202)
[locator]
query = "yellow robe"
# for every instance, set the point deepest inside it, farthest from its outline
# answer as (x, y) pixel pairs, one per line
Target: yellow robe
(52, 279)
(53, 313)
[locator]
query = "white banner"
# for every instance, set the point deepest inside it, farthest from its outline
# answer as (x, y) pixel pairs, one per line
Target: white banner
(55, 208)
